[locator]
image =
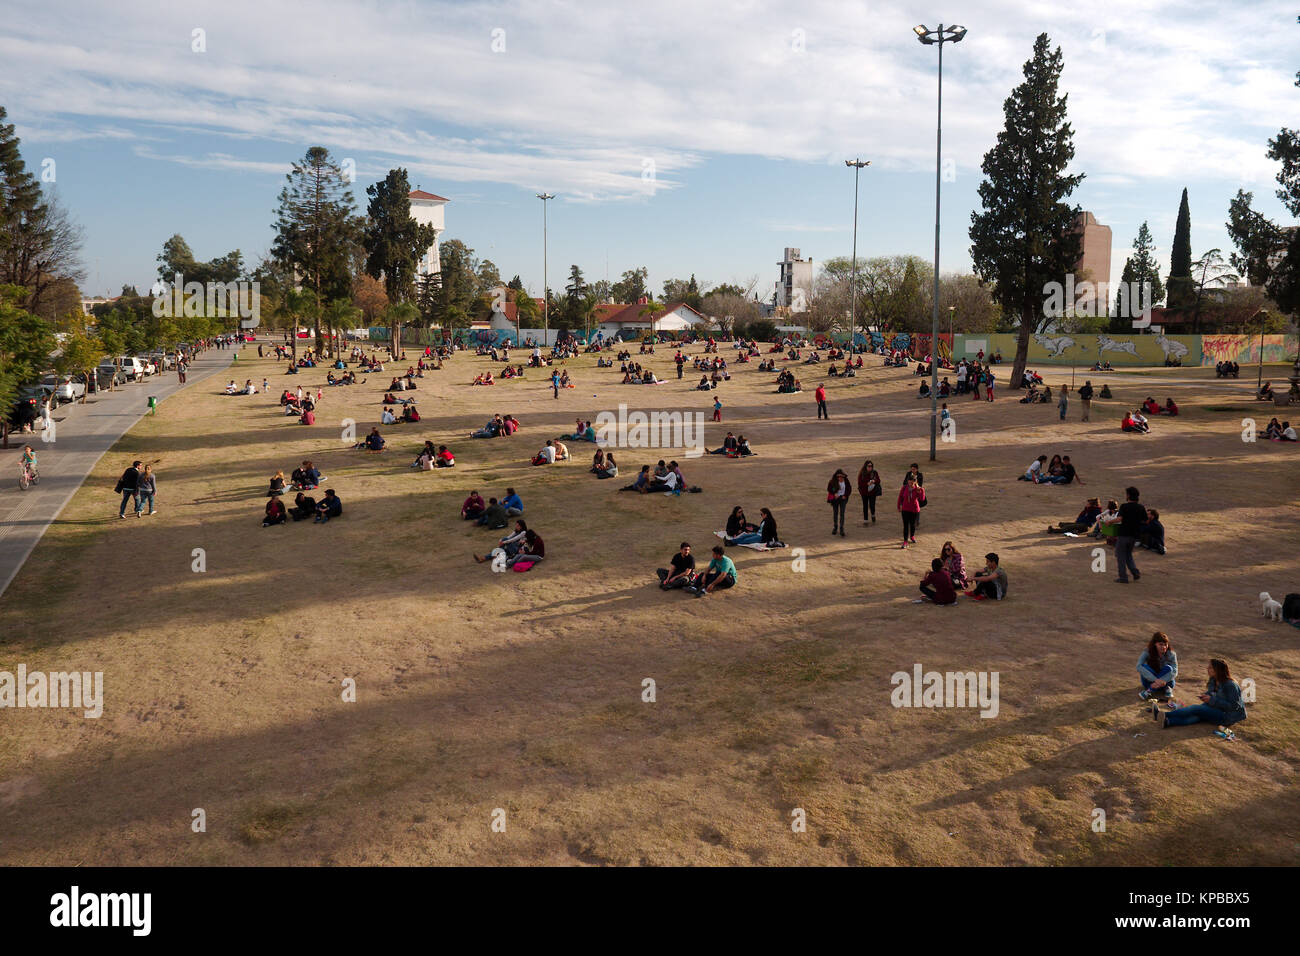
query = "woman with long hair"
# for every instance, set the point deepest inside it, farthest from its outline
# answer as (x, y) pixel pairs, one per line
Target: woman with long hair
(737, 525)
(869, 489)
(838, 492)
(1158, 668)
(1220, 704)
(954, 564)
(910, 497)
(765, 533)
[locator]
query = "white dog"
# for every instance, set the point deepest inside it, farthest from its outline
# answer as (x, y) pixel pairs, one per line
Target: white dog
(1271, 609)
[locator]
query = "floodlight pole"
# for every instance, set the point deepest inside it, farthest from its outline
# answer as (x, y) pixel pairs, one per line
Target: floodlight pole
(857, 165)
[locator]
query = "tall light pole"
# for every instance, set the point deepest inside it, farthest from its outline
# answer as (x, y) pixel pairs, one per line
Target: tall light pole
(1259, 385)
(857, 165)
(546, 289)
(951, 34)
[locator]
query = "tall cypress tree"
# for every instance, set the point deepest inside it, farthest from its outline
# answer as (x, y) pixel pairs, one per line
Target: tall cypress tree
(1025, 238)
(1181, 290)
(1121, 320)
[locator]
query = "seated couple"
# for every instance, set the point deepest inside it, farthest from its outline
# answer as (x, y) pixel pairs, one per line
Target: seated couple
(497, 426)
(522, 544)
(603, 465)
(372, 442)
(740, 531)
(1152, 407)
(1058, 472)
(484, 378)
(1035, 397)
(667, 478)
(552, 452)
(733, 447)
(431, 458)
(391, 399)
(1134, 422)
(306, 477)
(401, 384)
(583, 432)
(718, 576)
(1280, 431)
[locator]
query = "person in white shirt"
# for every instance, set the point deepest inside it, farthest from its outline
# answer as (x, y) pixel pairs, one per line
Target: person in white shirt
(1288, 433)
(961, 378)
(547, 455)
(1035, 472)
(387, 418)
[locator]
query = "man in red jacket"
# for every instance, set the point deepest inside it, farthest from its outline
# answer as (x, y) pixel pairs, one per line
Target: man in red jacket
(820, 395)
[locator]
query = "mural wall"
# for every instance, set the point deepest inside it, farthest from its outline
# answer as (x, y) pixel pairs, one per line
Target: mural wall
(1244, 349)
(1085, 350)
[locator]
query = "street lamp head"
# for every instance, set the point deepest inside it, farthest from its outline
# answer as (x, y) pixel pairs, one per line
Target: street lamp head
(920, 29)
(956, 33)
(545, 196)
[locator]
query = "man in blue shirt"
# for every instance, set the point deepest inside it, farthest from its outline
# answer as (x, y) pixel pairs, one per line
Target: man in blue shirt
(512, 503)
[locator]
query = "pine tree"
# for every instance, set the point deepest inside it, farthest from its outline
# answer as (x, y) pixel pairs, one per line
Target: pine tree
(1145, 267)
(1181, 290)
(1025, 238)
(1121, 319)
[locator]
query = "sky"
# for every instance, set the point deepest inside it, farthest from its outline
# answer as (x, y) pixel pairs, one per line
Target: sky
(685, 137)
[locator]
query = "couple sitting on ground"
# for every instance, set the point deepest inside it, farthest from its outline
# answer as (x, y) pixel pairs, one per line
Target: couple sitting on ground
(1134, 422)
(667, 478)
(409, 414)
(504, 427)
(734, 447)
(582, 432)
(718, 576)
(523, 546)
(328, 507)
(553, 451)
(1058, 472)
(475, 510)
(1280, 431)
(1034, 397)
(1152, 407)
(1221, 704)
(603, 465)
(306, 477)
(740, 531)
(372, 442)
(431, 458)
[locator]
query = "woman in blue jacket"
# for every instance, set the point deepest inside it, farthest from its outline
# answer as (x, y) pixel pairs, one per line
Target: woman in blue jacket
(1220, 704)
(1158, 668)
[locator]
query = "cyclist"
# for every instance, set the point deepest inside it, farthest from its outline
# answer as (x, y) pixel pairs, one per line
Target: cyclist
(27, 464)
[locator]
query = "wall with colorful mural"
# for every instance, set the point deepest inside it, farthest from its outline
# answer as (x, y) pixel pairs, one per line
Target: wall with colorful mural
(1084, 350)
(1244, 349)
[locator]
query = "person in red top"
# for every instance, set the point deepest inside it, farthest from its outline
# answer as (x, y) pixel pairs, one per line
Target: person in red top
(1171, 408)
(910, 498)
(1151, 406)
(446, 459)
(473, 506)
(937, 585)
(820, 395)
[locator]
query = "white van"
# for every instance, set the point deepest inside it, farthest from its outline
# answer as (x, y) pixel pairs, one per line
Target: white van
(132, 368)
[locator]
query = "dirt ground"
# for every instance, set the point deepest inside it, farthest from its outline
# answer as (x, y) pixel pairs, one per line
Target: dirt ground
(479, 692)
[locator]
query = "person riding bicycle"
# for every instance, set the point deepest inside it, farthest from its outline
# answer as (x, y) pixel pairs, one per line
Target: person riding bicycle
(29, 459)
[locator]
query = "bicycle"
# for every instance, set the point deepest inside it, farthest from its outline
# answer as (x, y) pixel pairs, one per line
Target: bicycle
(28, 476)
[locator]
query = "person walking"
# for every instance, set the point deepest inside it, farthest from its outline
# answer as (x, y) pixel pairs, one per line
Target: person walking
(555, 382)
(1085, 396)
(129, 488)
(988, 384)
(820, 395)
(148, 488)
(1063, 402)
(717, 409)
(838, 491)
(869, 489)
(1132, 516)
(911, 497)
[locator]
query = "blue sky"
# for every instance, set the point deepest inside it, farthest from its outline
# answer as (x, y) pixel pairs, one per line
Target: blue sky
(745, 110)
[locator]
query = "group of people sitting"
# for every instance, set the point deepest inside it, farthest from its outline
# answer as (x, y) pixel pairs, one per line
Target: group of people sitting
(430, 458)
(733, 447)
(1034, 396)
(1280, 431)
(519, 550)
(948, 576)
(304, 506)
(248, 388)
(634, 375)
(512, 371)
(1152, 407)
(493, 514)
(786, 383)
(409, 414)
(403, 383)
(498, 426)
(849, 370)
(347, 378)
(582, 431)
(554, 450)
(1059, 471)
(299, 404)
(740, 530)
(718, 576)
(1102, 367)
(708, 382)
(1227, 370)
(666, 478)
(1099, 523)
(1136, 422)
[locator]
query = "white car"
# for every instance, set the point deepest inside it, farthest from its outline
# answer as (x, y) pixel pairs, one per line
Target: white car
(71, 388)
(132, 368)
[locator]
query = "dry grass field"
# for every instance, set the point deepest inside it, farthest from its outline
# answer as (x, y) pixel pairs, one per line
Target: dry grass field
(478, 691)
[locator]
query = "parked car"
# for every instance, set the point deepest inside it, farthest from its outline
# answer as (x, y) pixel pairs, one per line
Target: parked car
(108, 374)
(132, 368)
(66, 388)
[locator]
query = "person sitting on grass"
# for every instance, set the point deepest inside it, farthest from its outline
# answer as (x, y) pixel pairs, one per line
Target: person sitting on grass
(729, 446)
(1274, 430)
(1171, 407)
(532, 549)
(494, 516)
(491, 430)
(1086, 519)
(277, 484)
(991, 582)
(445, 458)
(584, 432)
(1140, 422)
(1152, 533)
(410, 413)
(275, 513)
(764, 534)
(1151, 406)
(387, 417)
(473, 507)
(1265, 393)
(424, 460)
(329, 507)
(513, 504)
(1129, 424)
(609, 469)
(937, 586)
(547, 455)
(306, 477)
(561, 451)
(742, 448)
(681, 570)
(954, 564)
(304, 506)
(1221, 703)
(1287, 434)
(1037, 470)
(720, 574)
(1158, 669)
(373, 442)
(642, 483)
(1108, 517)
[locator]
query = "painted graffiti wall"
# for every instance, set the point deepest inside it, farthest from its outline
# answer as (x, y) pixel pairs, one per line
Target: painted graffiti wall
(1062, 349)
(1244, 349)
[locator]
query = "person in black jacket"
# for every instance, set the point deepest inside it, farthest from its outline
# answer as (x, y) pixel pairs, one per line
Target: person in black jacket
(304, 506)
(129, 486)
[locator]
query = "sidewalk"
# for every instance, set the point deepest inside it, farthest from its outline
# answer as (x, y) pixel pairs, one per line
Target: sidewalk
(85, 433)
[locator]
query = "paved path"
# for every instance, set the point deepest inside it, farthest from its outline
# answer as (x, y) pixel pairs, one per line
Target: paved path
(84, 433)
